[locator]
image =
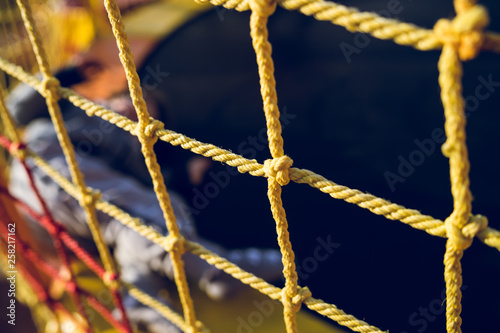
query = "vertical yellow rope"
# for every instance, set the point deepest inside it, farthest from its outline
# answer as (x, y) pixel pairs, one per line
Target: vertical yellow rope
(51, 86)
(462, 40)
(23, 54)
(145, 132)
(450, 69)
(277, 168)
(7, 122)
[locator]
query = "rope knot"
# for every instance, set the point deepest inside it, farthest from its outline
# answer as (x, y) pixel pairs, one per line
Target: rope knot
(52, 85)
(263, 8)
(462, 238)
(465, 31)
(110, 279)
(174, 243)
(90, 196)
(151, 129)
(302, 295)
(278, 168)
(18, 149)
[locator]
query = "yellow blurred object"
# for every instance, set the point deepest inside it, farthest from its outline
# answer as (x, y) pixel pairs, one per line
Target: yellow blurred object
(161, 18)
(76, 35)
(65, 31)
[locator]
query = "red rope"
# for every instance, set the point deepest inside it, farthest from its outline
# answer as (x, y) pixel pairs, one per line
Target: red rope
(72, 245)
(58, 228)
(105, 312)
(47, 216)
(60, 236)
(41, 265)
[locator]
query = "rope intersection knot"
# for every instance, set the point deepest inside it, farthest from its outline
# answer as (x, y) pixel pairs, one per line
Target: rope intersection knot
(90, 196)
(278, 168)
(18, 149)
(153, 127)
(263, 8)
(302, 295)
(150, 131)
(173, 243)
(110, 279)
(465, 31)
(462, 237)
(52, 85)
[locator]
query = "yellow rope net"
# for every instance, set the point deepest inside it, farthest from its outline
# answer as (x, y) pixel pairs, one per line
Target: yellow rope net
(460, 39)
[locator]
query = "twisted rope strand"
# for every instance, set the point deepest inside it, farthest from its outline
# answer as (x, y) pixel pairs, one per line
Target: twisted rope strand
(221, 263)
(377, 205)
(462, 39)
(86, 200)
(162, 309)
(50, 88)
(147, 143)
(355, 20)
(276, 169)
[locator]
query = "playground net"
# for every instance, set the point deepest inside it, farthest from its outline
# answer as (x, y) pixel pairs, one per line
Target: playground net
(460, 39)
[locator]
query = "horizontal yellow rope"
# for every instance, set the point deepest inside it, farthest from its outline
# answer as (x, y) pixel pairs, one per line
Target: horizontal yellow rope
(413, 218)
(239, 5)
(489, 236)
(371, 23)
(366, 22)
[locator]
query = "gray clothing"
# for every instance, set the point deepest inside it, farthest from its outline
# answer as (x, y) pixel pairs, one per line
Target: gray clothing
(111, 162)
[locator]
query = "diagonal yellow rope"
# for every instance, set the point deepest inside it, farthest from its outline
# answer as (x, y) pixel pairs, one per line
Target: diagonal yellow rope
(376, 205)
(355, 20)
(145, 132)
(7, 121)
(328, 310)
(162, 309)
(50, 87)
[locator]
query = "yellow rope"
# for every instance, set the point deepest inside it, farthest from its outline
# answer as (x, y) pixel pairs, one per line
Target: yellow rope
(22, 52)
(277, 168)
(219, 262)
(146, 133)
(460, 39)
(50, 88)
(162, 309)
(7, 121)
(375, 204)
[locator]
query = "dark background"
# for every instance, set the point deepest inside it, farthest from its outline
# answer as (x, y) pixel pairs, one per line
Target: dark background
(353, 120)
